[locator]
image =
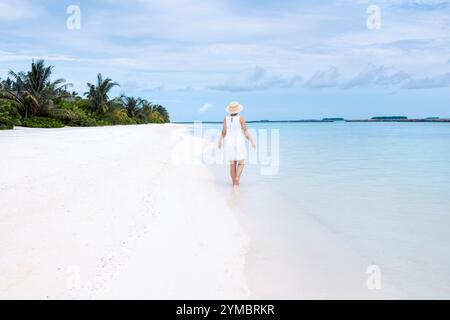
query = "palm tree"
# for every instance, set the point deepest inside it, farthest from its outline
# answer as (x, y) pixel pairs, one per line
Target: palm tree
(144, 111)
(132, 104)
(6, 84)
(150, 112)
(33, 92)
(163, 112)
(19, 96)
(98, 93)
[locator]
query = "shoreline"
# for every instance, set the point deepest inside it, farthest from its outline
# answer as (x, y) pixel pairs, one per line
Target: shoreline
(90, 213)
(291, 255)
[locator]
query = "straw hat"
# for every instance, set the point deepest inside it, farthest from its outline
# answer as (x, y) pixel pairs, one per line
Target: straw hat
(234, 107)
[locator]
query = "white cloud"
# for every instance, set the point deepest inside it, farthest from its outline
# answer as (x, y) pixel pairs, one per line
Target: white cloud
(10, 56)
(256, 79)
(324, 79)
(190, 44)
(205, 107)
(11, 10)
(142, 87)
(377, 76)
(439, 81)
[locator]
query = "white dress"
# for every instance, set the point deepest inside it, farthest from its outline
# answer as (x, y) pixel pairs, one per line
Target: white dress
(235, 149)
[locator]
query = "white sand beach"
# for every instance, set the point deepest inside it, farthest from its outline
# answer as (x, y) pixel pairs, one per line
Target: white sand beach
(105, 213)
(122, 213)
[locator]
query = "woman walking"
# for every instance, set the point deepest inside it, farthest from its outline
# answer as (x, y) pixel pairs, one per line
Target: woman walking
(234, 132)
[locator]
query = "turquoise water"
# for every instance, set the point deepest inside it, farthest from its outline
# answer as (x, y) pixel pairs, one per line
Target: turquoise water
(383, 188)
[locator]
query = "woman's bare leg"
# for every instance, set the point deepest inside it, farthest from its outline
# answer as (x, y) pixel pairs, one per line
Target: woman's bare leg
(240, 168)
(233, 171)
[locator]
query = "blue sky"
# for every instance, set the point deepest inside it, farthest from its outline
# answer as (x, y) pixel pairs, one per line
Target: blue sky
(282, 59)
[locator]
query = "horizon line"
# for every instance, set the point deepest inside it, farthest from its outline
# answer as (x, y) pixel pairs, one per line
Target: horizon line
(336, 119)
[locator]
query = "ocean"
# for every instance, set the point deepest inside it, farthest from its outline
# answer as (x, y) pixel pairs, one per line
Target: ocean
(379, 191)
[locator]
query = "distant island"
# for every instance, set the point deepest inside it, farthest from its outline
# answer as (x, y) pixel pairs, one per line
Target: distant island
(401, 119)
(390, 118)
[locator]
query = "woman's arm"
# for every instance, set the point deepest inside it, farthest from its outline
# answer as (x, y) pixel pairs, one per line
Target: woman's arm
(246, 133)
(223, 134)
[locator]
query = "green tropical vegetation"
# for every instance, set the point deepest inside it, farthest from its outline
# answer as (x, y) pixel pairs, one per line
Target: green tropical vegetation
(33, 99)
(42, 122)
(7, 120)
